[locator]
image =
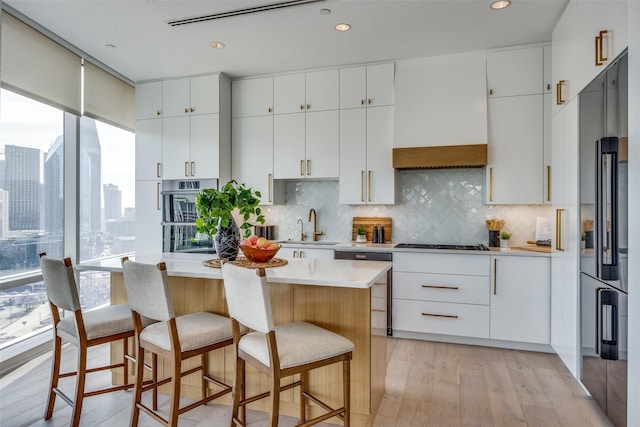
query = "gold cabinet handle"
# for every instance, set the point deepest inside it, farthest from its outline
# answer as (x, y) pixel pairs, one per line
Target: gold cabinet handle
(158, 184)
(490, 91)
(559, 100)
(362, 102)
(449, 316)
(548, 183)
(491, 184)
(301, 254)
(158, 170)
(600, 59)
(186, 165)
(559, 213)
(362, 186)
(495, 276)
(295, 254)
(301, 167)
(191, 110)
(301, 107)
(269, 187)
(158, 113)
(369, 187)
(193, 168)
(308, 167)
(369, 101)
(186, 110)
(308, 106)
(269, 109)
(453, 288)
(548, 86)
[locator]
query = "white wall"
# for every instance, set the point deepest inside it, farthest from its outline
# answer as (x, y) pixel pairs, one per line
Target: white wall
(633, 397)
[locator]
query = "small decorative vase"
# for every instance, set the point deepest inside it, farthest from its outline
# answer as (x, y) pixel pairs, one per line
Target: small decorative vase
(227, 241)
(504, 243)
(361, 238)
(493, 239)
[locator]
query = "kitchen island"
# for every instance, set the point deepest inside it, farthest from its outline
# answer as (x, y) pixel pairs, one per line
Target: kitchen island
(346, 297)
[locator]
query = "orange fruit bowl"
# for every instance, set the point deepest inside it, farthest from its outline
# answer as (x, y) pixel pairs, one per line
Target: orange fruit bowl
(254, 254)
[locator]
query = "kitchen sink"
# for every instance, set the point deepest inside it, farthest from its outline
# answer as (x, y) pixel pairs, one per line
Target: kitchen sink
(309, 242)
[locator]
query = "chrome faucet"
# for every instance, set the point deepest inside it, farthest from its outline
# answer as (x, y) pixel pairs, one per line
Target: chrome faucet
(302, 235)
(315, 218)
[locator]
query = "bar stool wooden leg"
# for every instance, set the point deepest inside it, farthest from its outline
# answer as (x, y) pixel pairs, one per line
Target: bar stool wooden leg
(346, 385)
(175, 393)
(303, 402)
(154, 378)
(274, 386)
(137, 391)
(55, 376)
(80, 382)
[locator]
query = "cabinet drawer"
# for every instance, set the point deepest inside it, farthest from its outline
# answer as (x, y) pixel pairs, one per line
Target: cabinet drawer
(441, 263)
(441, 287)
(429, 317)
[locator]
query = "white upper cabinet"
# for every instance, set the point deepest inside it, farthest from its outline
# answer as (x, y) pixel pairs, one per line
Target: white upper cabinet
(149, 149)
(194, 95)
(306, 145)
(515, 72)
(441, 101)
(516, 172)
(305, 92)
(252, 97)
(546, 117)
(148, 100)
(588, 36)
(366, 171)
(371, 85)
(252, 157)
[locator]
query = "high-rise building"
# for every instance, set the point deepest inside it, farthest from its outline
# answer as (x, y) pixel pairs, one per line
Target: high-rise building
(112, 202)
(22, 181)
(54, 189)
(4, 214)
(90, 177)
(2, 167)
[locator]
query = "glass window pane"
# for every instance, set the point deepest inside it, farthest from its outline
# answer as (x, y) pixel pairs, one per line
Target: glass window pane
(31, 183)
(107, 190)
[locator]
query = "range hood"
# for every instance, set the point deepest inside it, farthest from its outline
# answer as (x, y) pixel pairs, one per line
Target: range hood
(449, 156)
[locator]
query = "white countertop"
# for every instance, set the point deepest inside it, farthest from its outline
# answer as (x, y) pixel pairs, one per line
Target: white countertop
(303, 271)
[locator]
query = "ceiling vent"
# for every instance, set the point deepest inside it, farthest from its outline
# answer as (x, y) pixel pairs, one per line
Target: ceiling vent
(240, 12)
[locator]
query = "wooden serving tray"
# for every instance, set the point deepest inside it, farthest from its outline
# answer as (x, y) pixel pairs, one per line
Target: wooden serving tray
(368, 222)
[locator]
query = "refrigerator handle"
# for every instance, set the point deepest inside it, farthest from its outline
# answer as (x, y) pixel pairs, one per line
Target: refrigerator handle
(607, 327)
(606, 235)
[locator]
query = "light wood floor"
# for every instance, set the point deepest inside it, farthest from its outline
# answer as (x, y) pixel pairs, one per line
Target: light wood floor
(428, 384)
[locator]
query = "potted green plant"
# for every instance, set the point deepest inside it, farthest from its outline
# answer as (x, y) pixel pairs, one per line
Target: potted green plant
(583, 240)
(504, 239)
(361, 234)
(214, 209)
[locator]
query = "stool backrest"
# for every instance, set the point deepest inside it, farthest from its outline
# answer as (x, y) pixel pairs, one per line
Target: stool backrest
(148, 289)
(60, 282)
(247, 296)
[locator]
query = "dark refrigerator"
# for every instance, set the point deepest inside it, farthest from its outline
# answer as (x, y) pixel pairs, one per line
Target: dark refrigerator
(604, 220)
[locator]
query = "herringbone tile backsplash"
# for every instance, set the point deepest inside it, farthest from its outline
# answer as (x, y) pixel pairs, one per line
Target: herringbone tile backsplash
(434, 206)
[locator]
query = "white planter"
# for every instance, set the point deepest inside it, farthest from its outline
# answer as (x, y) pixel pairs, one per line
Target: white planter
(361, 238)
(504, 243)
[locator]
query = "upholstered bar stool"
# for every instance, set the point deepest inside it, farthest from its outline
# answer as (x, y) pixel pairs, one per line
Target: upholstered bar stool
(281, 351)
(84, 330)
(174, 338)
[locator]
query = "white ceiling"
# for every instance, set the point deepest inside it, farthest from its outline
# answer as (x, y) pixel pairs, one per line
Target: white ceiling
(297, 38)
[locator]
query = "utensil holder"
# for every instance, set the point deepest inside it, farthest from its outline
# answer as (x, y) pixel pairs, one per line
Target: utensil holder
(494, 241)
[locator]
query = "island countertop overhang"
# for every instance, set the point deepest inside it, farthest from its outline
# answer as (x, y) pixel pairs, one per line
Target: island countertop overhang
(301, 271)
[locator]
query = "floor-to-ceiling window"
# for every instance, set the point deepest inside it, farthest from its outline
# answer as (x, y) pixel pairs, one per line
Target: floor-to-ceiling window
(31, 207)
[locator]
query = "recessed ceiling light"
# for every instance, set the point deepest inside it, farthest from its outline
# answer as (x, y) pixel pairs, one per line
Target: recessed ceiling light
(343, 27)
(217, 45)
(325, 11)
(110, 46)
(500, 4)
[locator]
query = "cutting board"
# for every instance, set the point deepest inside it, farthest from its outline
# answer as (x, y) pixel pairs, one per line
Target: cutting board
(368, 222)
(532, 248)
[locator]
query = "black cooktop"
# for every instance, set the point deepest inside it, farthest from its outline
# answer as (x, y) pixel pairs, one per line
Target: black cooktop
(442, 246)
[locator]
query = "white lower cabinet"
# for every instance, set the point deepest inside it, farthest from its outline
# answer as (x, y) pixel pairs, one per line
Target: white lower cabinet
(304, 252)
(521, 299)
(497, 297)
(441, 294)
